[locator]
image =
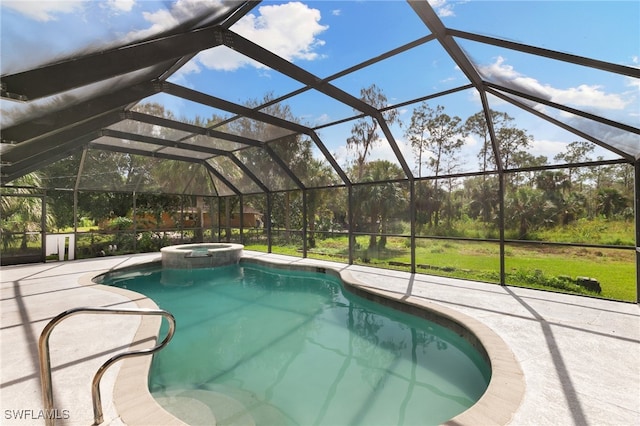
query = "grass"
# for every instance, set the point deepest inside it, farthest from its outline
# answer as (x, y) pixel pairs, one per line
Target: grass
(544, 267)
(593, 231)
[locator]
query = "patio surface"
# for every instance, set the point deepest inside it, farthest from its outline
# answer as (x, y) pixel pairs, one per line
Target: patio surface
(580, 356)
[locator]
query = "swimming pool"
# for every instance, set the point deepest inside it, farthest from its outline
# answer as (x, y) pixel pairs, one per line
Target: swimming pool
(269, 346)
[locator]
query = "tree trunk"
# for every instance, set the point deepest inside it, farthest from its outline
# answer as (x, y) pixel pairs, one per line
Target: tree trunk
(374, 230)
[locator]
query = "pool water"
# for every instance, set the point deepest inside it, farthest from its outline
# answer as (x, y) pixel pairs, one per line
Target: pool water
(264, 346)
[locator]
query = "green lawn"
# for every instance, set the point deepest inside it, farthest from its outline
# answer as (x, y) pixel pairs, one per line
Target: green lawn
(546, 267)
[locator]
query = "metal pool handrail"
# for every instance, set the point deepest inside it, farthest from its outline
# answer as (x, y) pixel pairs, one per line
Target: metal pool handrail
(45, 362)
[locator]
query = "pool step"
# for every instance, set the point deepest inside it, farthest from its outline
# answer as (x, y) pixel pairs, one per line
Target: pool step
(261, 410)
(203, 407)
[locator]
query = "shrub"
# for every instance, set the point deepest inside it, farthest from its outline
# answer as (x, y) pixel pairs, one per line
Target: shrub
(120, 223)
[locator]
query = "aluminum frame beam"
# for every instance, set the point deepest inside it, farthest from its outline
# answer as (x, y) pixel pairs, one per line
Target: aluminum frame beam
(43, 158)
(565, 108)
(134, 151)
(562, 125)
(191, 128)
(548, 53)
(212, 101)
(83, 111)
(36, 83)
(181, 145)
(260, 54)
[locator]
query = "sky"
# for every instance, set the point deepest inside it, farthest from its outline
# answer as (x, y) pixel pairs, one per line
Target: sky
(325, 37)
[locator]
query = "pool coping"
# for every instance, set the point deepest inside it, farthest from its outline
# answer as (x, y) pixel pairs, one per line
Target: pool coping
(136, 406)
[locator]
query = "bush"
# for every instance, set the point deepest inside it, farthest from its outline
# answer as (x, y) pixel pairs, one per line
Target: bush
(537, 278)
(120, 223)
(150, 242)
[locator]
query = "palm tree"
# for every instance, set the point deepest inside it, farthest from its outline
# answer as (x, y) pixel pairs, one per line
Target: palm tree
(610, 202)
(526, 209)
(20, 212)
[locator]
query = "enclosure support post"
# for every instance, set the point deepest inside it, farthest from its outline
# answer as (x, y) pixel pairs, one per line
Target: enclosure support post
(135, 222)
(501, 219)
(75, 214)
(352, 238)
(267, 221)
(304, 223)
(412, 219)
(219, 220)
(211, 199)
(181, 226)
(241, 218)
(227, 220)
(637, 215)
(43, 227)
(76, 187)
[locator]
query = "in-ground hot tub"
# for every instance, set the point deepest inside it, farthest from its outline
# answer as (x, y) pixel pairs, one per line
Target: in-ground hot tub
(202, 255)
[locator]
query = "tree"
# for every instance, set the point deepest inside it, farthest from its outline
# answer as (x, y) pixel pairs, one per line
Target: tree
(318, 171)
(483, 198)
(444, 140)
(526, 210)
(417, 133)
(427, 201)
(21, 213)
(623, 178)
(184, 178)
(364, 132)
(477, 125)
(611, 202)
(511, 144)
(511, 141)
(292, 149)
(61, 174)
(555, 186)
(576, 152)
(381, 200)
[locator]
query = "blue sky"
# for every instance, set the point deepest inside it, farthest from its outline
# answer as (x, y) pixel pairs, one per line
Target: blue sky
(327, 36)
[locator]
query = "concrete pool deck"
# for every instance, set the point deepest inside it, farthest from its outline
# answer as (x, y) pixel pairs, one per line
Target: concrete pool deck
(580, 356)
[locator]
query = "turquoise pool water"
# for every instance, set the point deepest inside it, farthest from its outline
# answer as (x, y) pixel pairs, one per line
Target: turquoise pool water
(264, 346)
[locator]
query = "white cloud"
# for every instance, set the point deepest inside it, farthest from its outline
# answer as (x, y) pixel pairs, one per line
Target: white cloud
(166, 19)
(548, 148)
(383, 151)
(43, 11)
(442, 7)
(583, 95)
(220, 58)
(288, 30)
(321, 119)
(336, 12)
(162, 20)
(121, 5)
(633, 82)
